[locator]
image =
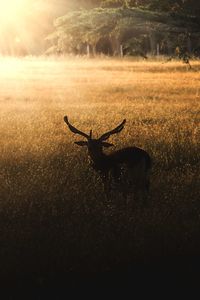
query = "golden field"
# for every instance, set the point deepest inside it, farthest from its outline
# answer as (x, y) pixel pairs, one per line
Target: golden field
(52, 202)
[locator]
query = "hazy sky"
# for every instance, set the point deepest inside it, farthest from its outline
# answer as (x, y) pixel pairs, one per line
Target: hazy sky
(25, 23)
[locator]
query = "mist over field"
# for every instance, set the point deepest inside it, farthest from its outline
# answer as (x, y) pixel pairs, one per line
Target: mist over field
(55, 218)
(121, 78)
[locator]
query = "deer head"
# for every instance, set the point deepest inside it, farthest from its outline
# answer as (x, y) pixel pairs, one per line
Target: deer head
(95, 146)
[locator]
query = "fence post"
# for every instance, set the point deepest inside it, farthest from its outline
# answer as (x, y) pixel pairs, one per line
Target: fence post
(88, 50)
(158, 49)
(121, 51)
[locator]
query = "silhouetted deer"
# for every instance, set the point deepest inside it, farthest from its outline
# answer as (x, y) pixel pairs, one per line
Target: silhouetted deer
(125, 170)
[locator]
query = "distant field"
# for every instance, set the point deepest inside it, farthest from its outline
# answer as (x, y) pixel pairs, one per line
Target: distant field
(53, 214)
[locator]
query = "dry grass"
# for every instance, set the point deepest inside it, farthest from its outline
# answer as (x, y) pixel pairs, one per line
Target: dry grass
(53, 213)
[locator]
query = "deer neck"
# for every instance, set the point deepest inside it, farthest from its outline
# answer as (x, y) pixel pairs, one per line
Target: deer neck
(99, 161)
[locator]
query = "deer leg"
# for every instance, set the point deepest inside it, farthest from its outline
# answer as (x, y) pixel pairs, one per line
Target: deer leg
(116, 175)
(125, 194)
(120, 185)
(147, 185)
(147, 181)
(142, 183)
(146, 196)
(106, 185)
(143, 188)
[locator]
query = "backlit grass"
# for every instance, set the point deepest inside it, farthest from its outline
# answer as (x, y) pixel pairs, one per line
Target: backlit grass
(54, 216)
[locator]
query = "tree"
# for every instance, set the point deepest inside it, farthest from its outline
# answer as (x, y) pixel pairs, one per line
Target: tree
(113, 3)
(108, 28)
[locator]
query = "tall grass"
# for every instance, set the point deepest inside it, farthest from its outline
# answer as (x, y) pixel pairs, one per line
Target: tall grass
(53, 213)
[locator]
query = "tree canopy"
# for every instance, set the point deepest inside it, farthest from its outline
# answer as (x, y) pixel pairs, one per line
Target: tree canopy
(137, 30)
(186, 6)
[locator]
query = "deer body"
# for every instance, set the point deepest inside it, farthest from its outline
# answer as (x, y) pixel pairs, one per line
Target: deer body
(125, 170)
(130, 164)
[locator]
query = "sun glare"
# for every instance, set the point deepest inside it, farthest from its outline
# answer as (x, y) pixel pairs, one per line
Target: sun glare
(19, 26)
(13, 14)
(11, 10)
(24, 24)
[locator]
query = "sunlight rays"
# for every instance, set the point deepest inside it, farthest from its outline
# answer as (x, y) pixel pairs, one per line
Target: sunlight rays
(23, 26)
(11, 10)
(13, 33)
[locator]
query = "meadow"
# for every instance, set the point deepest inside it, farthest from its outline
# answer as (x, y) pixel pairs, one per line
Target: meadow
(54, 216)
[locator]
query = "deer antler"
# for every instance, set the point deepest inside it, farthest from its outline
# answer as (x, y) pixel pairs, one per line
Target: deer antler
(119, 128)
(76, 131)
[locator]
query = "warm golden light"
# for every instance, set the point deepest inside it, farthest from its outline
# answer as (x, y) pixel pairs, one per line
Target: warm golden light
(24, 24)
(19, 29)
(11, 10)
(12, 26)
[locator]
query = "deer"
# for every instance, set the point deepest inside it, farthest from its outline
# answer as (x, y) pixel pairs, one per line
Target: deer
(126, 170)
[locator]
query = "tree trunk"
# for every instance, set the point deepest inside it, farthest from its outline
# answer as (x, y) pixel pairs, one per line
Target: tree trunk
(88, 50)
(121, 51)
(189, 44)
(94, 50)
(158, 49)
(152, 43)
(115, 47)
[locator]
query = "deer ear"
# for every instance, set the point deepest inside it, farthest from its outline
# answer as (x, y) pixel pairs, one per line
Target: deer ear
(106, 145)
(81, 143)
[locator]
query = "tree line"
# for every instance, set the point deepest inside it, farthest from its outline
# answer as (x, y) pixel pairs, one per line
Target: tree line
(119, 27)
(184, 6)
